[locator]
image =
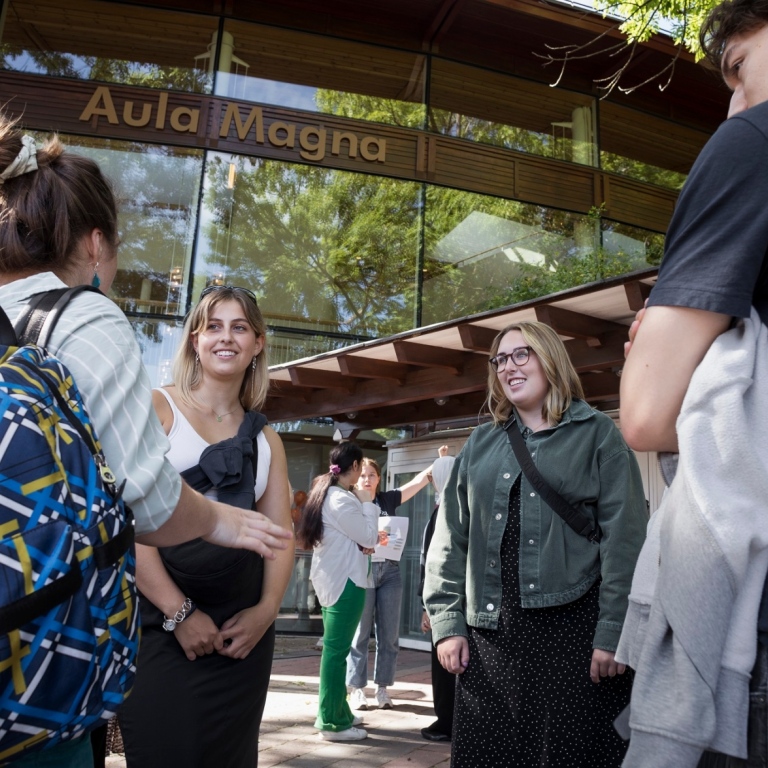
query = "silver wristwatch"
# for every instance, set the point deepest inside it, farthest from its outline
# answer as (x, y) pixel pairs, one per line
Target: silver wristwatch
(187, 609)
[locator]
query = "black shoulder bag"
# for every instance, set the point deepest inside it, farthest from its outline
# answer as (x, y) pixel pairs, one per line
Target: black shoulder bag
(576, 519)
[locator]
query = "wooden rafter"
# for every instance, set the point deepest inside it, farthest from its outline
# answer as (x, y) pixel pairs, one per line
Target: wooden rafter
(427, 356)
(577, 325)
(476, 338)
(318, 379)
(368, 368)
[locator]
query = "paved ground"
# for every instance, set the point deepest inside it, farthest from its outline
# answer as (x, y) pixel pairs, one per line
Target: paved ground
(288, 738)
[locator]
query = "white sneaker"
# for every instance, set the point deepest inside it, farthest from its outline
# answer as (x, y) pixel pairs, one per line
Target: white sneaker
(357, 721)
(382, 697)
(350, 734)
(357, 699)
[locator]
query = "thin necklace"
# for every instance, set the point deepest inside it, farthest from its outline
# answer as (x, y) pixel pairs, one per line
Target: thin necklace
(541, 424)
(219, 417)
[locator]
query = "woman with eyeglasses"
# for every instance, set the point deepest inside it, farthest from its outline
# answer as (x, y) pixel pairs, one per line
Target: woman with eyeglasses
(208, 613)
(58, 229)
(525, 610)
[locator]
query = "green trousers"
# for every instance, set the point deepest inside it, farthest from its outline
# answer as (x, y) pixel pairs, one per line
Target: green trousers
(340, 621)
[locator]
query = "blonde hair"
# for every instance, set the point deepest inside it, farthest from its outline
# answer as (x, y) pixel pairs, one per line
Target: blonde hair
(187, 375)
(564, 382)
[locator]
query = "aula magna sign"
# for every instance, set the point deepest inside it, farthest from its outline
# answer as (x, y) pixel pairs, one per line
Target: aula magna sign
(313, 141)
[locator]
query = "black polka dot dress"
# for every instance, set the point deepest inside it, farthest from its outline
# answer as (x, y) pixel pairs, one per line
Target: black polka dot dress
(526, 699)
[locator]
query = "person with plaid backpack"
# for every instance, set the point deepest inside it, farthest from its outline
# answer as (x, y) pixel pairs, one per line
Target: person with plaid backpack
(58, 229)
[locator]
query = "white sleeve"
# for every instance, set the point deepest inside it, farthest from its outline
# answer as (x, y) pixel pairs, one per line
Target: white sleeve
(358, 521)
(98, 345)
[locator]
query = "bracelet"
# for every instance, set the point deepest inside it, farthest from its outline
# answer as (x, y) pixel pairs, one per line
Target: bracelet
(186, 610)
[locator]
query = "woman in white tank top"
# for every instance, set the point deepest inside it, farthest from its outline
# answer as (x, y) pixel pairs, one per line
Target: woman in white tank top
(205, 604)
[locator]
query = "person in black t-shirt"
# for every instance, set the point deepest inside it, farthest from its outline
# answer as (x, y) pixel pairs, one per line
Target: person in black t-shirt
(714, 269)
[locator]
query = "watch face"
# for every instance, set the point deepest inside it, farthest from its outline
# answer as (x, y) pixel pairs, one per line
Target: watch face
(169, 625)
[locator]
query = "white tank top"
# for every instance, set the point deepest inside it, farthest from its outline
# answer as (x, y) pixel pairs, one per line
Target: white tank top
(187, 445)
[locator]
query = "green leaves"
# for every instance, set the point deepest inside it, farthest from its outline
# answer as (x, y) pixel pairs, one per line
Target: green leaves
(681, 19)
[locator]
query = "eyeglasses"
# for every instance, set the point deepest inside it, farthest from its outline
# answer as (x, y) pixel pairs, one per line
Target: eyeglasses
(211, 288)
(519, 356)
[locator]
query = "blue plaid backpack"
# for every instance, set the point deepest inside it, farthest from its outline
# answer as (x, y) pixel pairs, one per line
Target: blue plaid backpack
(68, 604)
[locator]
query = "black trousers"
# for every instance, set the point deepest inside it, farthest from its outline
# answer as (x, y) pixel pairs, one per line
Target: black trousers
(444, 696)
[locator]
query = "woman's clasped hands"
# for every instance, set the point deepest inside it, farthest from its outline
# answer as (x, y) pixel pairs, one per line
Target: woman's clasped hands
(198, 635)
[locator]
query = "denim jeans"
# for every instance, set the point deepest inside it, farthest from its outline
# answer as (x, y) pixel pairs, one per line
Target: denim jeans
(339, 622)
(757, 728)
(382, 609)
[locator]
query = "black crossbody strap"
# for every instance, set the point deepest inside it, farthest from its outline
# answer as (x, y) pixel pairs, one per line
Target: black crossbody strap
(576, 519)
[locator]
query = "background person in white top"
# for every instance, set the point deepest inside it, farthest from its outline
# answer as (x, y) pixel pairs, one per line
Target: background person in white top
(338, 522)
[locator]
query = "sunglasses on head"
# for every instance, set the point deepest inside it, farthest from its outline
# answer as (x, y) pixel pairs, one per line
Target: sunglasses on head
(234, 288)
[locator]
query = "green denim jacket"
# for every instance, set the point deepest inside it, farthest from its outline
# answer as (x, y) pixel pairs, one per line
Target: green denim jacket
(585, 459)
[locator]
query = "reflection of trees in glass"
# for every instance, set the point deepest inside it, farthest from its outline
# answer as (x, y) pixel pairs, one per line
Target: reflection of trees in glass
(156, 187)
(125, 72)
(635, 169)
(390, 111)
(147, 332)
(483, 252)
(477, 246)
(497, 134)
(334, 249)
(624, 249)
(285, 348)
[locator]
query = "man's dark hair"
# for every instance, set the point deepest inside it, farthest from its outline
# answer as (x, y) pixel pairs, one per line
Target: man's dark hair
(732, 17)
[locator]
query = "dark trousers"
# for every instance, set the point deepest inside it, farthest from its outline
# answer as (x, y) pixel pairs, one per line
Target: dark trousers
(444, 696)
(757, 728)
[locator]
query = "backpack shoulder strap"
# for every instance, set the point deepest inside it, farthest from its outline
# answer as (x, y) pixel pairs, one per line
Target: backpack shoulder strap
(7, 334)
(37, 321)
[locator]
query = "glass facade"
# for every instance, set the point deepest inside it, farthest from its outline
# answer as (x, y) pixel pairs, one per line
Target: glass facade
(491, 108)
(325, 250)
(321, 74)
(109, 42)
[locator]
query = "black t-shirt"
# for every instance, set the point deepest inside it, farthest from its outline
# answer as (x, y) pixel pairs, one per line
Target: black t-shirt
(715, 252)
(388, 501)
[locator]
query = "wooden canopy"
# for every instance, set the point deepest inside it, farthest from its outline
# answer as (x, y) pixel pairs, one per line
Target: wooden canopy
(438, 373)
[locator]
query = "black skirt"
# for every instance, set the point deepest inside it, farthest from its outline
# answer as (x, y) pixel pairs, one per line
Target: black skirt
(205, 712)
(526, 698)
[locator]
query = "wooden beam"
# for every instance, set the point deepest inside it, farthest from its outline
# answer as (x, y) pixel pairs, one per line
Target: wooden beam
(637, 293)
(609, 355)
(427, 356)
(318, 379)
(422, 384)
(420, 412)
(369, 368)
(600, 386)
(279, 388)
(577, 325)
(477, 338)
